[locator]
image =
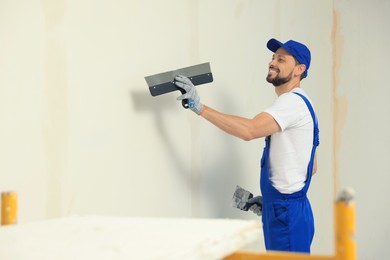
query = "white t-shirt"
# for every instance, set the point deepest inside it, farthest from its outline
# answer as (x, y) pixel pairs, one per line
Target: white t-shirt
(290, 148)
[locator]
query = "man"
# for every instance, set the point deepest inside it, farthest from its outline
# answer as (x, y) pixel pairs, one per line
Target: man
(289, 160)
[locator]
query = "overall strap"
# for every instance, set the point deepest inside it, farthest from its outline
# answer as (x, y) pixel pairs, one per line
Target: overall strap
(316, 140)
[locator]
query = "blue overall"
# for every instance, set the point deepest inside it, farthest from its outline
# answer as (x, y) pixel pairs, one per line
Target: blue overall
(288, 223)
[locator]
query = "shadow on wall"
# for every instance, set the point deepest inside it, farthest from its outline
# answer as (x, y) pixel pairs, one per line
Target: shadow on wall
(216, 181)
(144, 102)
(225, 170)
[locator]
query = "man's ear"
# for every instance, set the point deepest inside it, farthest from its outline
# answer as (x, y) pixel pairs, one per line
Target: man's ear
(301, 69)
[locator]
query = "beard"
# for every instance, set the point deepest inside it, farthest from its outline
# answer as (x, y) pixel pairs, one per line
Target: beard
(277, 81)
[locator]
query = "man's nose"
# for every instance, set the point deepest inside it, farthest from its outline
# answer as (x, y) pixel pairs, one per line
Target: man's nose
(271, 63)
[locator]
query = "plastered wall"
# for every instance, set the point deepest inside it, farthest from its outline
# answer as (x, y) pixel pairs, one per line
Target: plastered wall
(361, 113)
(80, 133)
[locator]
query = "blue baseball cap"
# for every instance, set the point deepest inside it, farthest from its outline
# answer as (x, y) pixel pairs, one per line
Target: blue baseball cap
(298, 50)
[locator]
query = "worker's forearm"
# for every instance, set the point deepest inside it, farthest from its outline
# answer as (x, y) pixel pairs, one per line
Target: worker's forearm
(233, 125)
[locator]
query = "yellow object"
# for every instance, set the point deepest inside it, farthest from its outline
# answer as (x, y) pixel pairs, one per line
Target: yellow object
(345, 245)
(345, 230)
(9, 208)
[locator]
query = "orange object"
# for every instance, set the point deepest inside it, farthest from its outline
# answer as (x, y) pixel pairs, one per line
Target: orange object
(9, 207)
(345, 230)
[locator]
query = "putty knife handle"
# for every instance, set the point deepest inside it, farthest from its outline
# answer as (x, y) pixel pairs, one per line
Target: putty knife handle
(184, 102)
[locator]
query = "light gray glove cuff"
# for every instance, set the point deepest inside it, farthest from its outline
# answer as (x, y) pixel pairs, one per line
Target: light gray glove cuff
(197, 107)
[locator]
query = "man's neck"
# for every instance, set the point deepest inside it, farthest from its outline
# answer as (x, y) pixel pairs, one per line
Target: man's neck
(287, 87)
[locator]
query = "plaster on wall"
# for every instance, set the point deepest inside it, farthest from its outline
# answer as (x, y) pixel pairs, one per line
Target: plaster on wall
(340, 103)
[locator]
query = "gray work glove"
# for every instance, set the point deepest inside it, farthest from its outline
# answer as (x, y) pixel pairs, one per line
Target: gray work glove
(255, 205)
(190, 93)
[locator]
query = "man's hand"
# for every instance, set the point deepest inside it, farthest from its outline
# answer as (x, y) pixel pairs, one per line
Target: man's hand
(193, 99)
(255, 205)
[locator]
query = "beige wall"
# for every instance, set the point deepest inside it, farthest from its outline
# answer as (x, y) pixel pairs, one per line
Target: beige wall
(80, 133)
(362, 124)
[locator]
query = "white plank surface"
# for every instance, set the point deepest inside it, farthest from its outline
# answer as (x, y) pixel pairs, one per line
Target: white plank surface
(96, 237)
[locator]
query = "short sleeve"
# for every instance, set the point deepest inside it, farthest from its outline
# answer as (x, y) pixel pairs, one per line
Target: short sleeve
(287, 110)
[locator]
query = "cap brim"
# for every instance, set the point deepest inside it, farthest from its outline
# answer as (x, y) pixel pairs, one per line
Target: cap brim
(273, 45)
